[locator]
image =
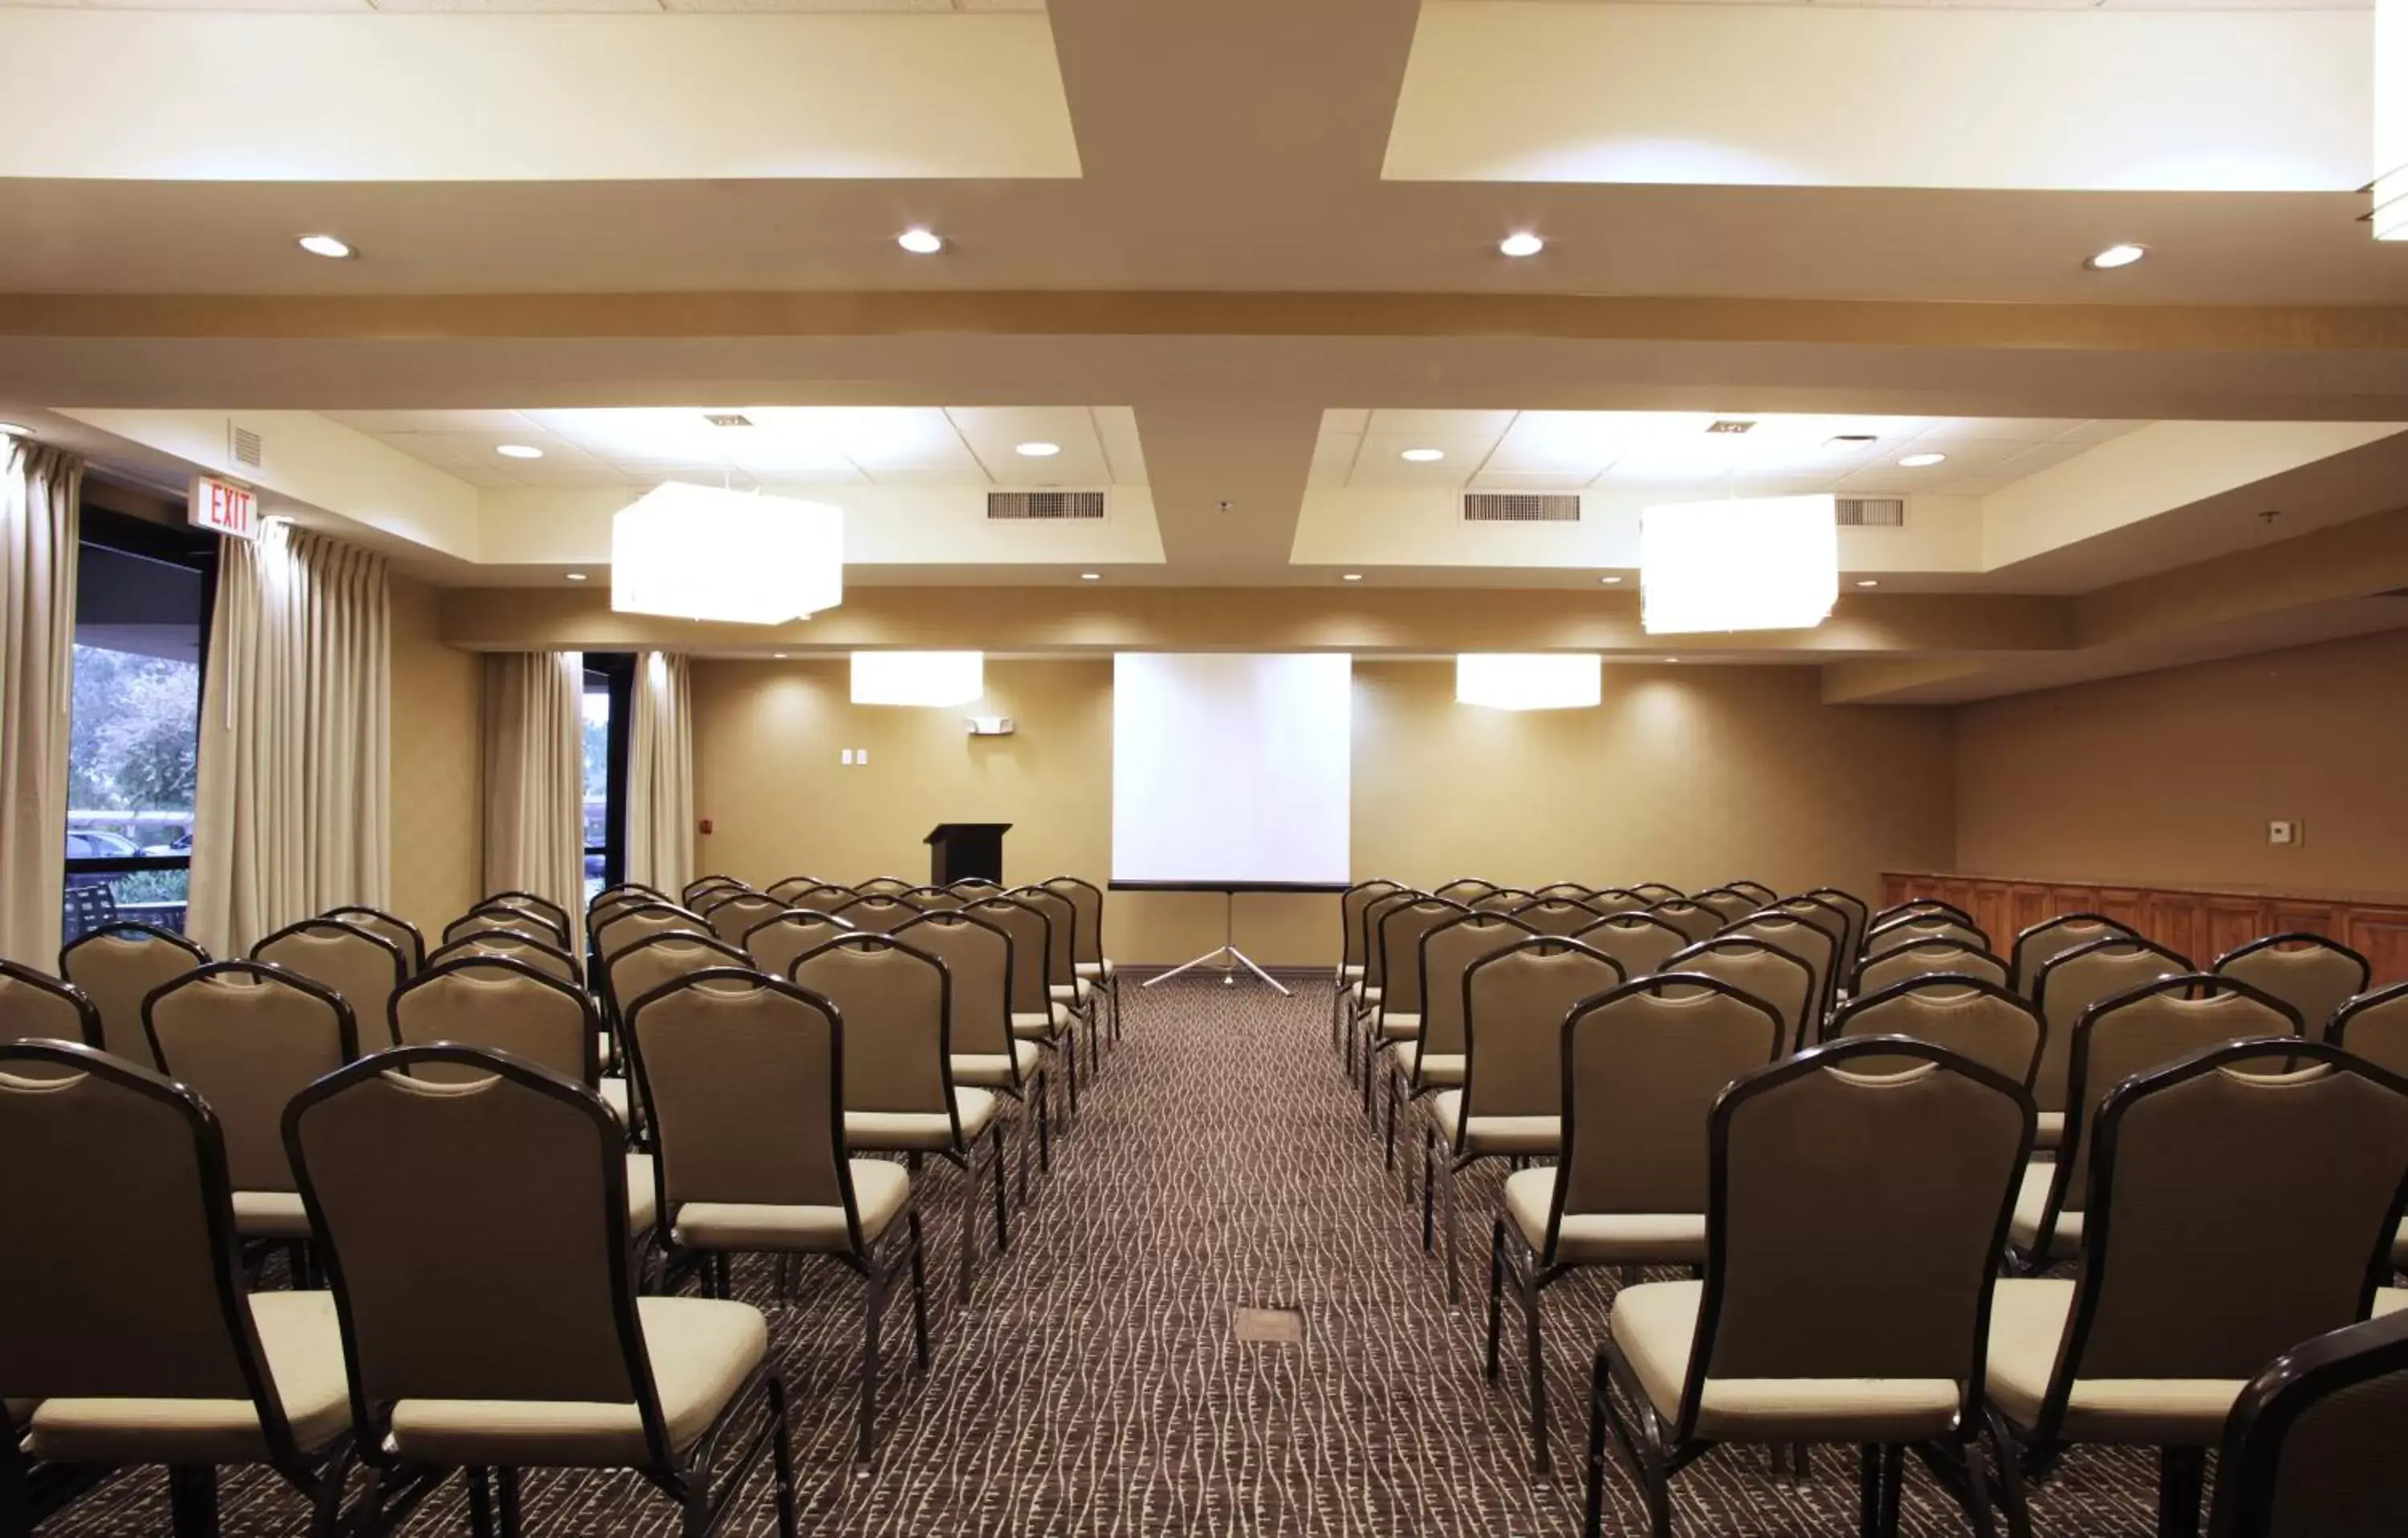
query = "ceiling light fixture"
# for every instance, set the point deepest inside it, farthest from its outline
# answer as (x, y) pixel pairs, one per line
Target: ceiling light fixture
(704, 553)
(918, 678)
(1350, 576)
(1868, 582)
(1091, 576)
(1611, 582)
(777, 656)
(1422, 456)
(1039, 449)
(1529, 680)
(1922, 461)
(921, 241)
(575, 576)
(1768, 563)
(1521, 243)
(330, 246)
(2122, 254)
(1844, 442)
(517, 451)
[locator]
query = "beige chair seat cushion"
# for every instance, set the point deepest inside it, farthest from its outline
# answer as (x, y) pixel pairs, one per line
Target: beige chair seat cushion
(1494, 1134)
(914, 1131)
(614, 1095)
(2387, 1300)
(2048, 1130)
(1074, 993)
(1095, 972)
(2400, 1248)
(1442, 1070)
(1351, 974)
(270, 1214)
(643, 1194)
(2031, 1204)
(1033, 1026)
(879, 1190)
(1365, 998)
(1399, 1028)
(993, 1069)
(2026, 1328)
(703, 1351)
(1655, 1323)
(303, 1345)
(609, 1056)
(1602, 1238)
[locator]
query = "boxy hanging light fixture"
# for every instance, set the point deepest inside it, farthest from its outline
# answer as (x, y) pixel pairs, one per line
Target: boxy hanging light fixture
(700, 552)
(1769, 563)
(1529, 680)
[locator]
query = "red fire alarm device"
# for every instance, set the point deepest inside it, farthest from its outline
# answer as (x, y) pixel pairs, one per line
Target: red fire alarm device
(706, 825)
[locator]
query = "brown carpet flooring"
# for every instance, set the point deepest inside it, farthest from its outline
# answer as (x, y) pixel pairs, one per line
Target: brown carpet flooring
(1095, 1385)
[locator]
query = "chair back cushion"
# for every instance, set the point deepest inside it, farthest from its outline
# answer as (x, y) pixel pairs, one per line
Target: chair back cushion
(1808, 942)
(364, 968)
(33, 1006)
(1401, 928)
(502, 1004)
(876, 913)
(1643, 1068)
(893, 1000)
(2308, 972)
(1641, 943)
(1089, 902)
(1032, 940)
(1923, 957)
(1350, 915)
(978, 971)
(2044, 942)
(731, 917)
(2068, 983)
(631, 973)
(1448, 952)
(774, 942)
(1558, 916)
(118, 966)
(1757, 968)
(1514, 1007)
(1987, 1023)
(1693, 920)
(248, 1039)
(512, 945)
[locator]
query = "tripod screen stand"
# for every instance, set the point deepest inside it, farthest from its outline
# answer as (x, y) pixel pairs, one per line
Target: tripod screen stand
(1226, 954)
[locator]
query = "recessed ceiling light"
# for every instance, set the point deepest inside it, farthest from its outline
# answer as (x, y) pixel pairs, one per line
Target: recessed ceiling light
(329, 246)
(1521, 243)
(1611, 582)
(1868, 582)
(1845, 441)
(777, 656)
(920, 242)
(1422, 456)
(517, 451)
(1037, 450)
(1091, 576)
(2122, 254)
(1916, 461)
(576, 576)
(1350, 576)
(1672, 659)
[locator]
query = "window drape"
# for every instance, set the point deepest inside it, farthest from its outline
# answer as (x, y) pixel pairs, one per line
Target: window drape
(660, 775)
(294, 814)
(38, 526)
(535, 775)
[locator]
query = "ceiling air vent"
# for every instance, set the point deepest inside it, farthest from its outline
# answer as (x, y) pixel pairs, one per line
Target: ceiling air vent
(1044, 504)
(1870, 511)
(728, 419)
(243, 446)
(1730, 425)
(1514, 507)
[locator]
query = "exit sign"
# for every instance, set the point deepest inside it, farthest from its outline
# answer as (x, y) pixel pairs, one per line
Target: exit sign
(222, 506)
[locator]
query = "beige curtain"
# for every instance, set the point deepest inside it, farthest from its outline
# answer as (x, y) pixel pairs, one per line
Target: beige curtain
(295, 815)
(535, 775)
(39, 487)
(660, 775)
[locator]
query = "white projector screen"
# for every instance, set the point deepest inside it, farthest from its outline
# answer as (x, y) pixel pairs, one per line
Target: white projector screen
(1231, 767)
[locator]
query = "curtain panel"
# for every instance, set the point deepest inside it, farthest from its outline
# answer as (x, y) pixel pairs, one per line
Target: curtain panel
(535, 775)
(38, 528)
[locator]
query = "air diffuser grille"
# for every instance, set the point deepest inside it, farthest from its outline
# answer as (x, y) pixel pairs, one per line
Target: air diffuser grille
(1044, 504)
(1501, 507)
(1870, 511)
(244, 446)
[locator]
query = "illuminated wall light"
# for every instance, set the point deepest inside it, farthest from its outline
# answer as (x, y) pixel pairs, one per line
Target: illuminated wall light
(700, 552)
(1529, 680)
(918, 678)
(2390, 120)
(1768, 563)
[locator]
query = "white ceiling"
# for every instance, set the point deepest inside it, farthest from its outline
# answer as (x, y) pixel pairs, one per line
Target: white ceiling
(1782, 454)
(840, 446)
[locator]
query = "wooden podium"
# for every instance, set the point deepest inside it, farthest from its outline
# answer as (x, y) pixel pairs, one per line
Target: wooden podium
(959, 851)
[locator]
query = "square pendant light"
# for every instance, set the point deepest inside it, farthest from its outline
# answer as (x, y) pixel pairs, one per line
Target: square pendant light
(2391, 120)
(699, 552)
(1768, 563)
(1529, 680)
(918, 678)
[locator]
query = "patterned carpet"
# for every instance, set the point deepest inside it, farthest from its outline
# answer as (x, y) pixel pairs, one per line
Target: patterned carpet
(1095, 1385)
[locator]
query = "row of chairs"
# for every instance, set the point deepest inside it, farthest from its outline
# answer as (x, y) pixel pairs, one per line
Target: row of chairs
(1524, 1036)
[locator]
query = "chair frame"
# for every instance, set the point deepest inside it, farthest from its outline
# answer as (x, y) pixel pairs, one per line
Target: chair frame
(192, 948)
(1478, 887)
(1964, 947)
(685, 1481)
(441, 953)
(1715, 942)
(1653, 892)
(1052, 1041)
(2249, 1461)
(1881, 1470)
(401, 968)
(1921, 905)
(1856, 910)
(882, 886)
(87, 1013)
(1359, 1006)
(2307, 937)
(1109, 988)
(2025, 936)
(499, 909)
(1414, 1089)
(941, 918)
(346, 1022)
(192, 1487)
(415, 957)
(591, 1046)
(1623, 918)
(2337, 1028)
(700, 886)
(1757, 889)
(1966, 981)
(1087, 1011)
(1818, 1007)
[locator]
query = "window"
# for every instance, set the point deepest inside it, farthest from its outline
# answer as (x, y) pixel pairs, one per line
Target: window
(143, 593)
(610, 685)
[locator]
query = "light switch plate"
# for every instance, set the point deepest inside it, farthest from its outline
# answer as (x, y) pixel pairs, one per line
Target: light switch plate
(846, 757)
(2283, 830)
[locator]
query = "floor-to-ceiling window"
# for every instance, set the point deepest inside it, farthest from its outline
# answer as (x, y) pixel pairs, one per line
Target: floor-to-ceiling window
(143, 592)
(609, 682)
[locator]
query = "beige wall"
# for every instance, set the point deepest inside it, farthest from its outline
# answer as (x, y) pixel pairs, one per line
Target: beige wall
(436, 765)
(2170, 778)
(1690, 775)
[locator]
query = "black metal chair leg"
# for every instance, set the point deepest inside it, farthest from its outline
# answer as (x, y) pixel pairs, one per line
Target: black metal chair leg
(873, 1304)
(1002, 1230)
(1541, 1467)
(1868, 1494)
(2011, 1474)
(1430, 1191)
(1593, 1512)
(1044, 1123)
(1496, 1296)
(2181, 1474)
(193, 1499)
(1978, 1513)
(506, 1489)
(480, 1503)
(1893, 1481)
(1391, 1154)
(782, 1453)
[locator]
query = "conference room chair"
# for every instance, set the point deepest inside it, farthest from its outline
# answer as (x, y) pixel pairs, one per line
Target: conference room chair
(1810, 943)
(1693, 920)
(745, 1076)
(2237, 1209)
(403, 933)
(1510, 1105)
(247, 1037)
(1924, 905)
(133, 1341)
(1463, 889)
(623, 927)
(477, 1239)
(884, 886)
(504, 1004)
(1757, 889)
(1852, 1223)
(644, 964)
(1854, 909)
(1642, 1067)
(930, 898)
(982, 1051)
(2035, 947)
(1363, 1000)
(1091, 963)
(1351, 949)
(1035, 1016)
(117, 966)
(899, 1095)
(1397, 1016)
(975, 887)
(2311, 973)
(626, 888)
(1727, 903)
(732, 915)
(518, 910)
(1924, 957)
(786, 888)
(1834, 925)
(1763, 971)
(1651, 892)
(1572, 889)
(1917, 928)
(1432, 1057)
(2063, 990)
(517, 921)
(1639, 942)
(1063, 984)
(618, 899)
(2312, 1447)
(35, 1006)
(2135, 1031)
(363, 968)
(775, 941)
(876, 913)
(517, 945)
(1975, 1017)
(1556, 915)
(693, 891)
(2374, 1026)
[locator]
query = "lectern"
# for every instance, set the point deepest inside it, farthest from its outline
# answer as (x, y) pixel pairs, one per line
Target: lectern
(959, 851)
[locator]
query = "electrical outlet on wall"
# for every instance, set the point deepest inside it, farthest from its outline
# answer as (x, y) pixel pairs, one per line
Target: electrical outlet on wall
(2284, 830)
(845, 758)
